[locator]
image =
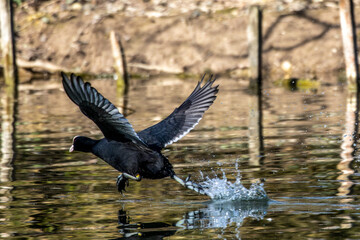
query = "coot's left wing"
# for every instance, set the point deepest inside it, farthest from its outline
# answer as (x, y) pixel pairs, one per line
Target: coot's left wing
(100, 110)
(182, 119)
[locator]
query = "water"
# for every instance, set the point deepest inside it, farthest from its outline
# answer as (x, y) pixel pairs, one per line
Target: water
(306, 168)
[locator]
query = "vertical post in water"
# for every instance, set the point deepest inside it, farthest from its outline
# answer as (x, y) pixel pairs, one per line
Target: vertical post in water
(254, 32)
(120, 63)
(347, 22)
(7, 42)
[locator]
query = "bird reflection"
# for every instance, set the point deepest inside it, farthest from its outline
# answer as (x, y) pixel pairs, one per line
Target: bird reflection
(212, 215)
(152, 230)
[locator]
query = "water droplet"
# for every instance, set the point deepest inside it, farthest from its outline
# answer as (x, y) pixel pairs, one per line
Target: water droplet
(222, 189)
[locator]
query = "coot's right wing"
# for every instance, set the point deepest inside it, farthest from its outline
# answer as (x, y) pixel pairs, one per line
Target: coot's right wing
(100, 110)
(182, 119)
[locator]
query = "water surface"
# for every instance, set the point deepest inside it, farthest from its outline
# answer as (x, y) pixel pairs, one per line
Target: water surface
(306, 169)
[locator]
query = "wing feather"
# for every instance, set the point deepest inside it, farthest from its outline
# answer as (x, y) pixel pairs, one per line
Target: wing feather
(100, 110)
(183, 119)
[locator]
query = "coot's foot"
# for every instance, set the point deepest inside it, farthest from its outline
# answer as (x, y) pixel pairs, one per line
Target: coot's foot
(194, 186)
(190, 184)
(121, 183)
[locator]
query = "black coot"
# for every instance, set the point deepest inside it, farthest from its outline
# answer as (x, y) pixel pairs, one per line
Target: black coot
(136, 155)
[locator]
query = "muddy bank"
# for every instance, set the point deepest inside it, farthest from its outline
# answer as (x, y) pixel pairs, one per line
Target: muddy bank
(172, 39)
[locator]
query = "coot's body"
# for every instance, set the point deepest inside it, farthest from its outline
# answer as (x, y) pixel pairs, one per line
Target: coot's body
(133, 159)
(136, 155)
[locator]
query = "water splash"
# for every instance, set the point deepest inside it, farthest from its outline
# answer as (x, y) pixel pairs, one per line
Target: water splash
(222, 189)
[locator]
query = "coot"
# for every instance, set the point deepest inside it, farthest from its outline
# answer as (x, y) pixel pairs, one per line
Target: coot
(136, 155)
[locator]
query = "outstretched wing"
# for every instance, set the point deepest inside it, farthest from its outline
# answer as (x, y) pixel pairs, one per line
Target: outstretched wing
(182, 119)
(103, 113)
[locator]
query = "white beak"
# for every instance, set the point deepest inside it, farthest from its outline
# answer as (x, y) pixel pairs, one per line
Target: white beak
(71, 148)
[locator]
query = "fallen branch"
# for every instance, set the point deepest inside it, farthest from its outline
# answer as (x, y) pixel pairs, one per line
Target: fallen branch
(53, 68)
(155, 68)
(43, 65)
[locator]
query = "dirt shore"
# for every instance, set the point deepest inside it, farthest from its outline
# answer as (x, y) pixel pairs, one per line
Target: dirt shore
(181, 36)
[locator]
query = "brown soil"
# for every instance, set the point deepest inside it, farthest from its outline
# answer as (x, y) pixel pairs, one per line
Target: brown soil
(174, 38)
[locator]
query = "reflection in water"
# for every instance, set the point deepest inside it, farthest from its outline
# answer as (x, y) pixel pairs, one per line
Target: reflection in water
(153, 230)
(218, 214)
(256, 143)
(8, 113)
(9, 104)
(223, 214)
(348, 146)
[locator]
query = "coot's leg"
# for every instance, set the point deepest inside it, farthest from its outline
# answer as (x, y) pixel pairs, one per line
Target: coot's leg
(123, 181)
(136, 178)
(189, 184)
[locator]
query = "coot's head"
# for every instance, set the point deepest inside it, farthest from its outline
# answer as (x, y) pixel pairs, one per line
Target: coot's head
(82, 144)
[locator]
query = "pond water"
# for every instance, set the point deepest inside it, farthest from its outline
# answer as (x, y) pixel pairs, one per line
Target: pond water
(306, 166)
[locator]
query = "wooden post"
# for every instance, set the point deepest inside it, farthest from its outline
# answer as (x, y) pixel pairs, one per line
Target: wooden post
(347, 21)
(254, 33)
(7, 42)
(120, 62)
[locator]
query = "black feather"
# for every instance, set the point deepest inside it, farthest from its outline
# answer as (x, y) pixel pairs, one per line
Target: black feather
(182, 119)
(100, 110)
